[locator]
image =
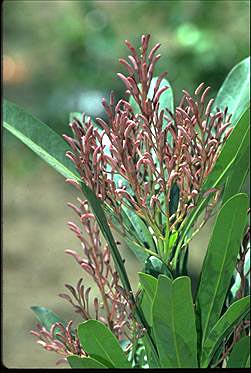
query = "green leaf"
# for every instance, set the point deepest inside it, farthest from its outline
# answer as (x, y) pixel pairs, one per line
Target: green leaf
(231, 318)
(38, 137)
(99, 342)
(220, 260)
(77, 362)
(76, 115)
(174, 199)
(240, 353)
(174, 323)
(155, 267)
(149, 285)
(47, 317)
(234, 92)
(239, 171)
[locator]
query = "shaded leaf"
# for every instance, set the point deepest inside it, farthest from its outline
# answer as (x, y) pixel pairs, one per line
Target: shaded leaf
(155, 267)
(174, 323)
(77, 362)
(219, 263)
(47, 317)
(240, 354)
(231, 318)
(99, 342)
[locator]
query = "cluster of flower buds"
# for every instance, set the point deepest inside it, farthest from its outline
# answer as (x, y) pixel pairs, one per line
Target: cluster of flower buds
(136, 158)
(60, 339)
(114, 308)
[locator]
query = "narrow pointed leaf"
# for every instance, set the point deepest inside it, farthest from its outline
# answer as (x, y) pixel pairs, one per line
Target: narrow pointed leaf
(38, 137)
(100, 344)
(240, 353)
(77, 362)
(220, 260)
(46, 317)
(231, 318)
(174, 323)
(234, 92)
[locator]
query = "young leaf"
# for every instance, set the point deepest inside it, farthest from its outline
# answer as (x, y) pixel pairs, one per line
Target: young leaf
(240, 353)
(38, 137)
(155, 267)
(47, 317)
(77, 362)
(234, 92)
(234, 314)
(99, 342)
(174, 323)
(219, 263)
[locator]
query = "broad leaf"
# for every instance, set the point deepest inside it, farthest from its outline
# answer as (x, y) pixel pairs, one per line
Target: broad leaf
(225, 325)
(174, 323)
(77, 362)
(47, 317)
(155, 267)
(38, 137)
(100, 344)
(234, 92)
(220, 260)
(240, 353)
(149, 285)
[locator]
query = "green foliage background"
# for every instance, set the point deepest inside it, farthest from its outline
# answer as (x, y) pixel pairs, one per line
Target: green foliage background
(62, 56)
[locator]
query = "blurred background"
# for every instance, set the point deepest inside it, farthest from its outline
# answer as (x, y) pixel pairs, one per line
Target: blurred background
(62, 56)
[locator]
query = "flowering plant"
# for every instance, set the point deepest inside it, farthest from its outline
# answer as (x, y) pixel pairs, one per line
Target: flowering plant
(148, 171)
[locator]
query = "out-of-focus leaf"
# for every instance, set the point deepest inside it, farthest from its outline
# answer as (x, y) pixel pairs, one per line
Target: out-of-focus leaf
(220, 260)
(100, 344)
(174, 323)
(38, 137)
(47, 317)
(234, 92)
(77, 362)
(240, 353)
(74, 115)
(234, 314)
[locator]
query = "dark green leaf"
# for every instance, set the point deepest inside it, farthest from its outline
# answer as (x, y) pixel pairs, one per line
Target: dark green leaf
(99, 342)
(234, 92)
(174, 323)
(240, 353)
(220, 260)
(38, 137)
(174, 199)
(231, 318)
(154, 267)
(77, 362)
